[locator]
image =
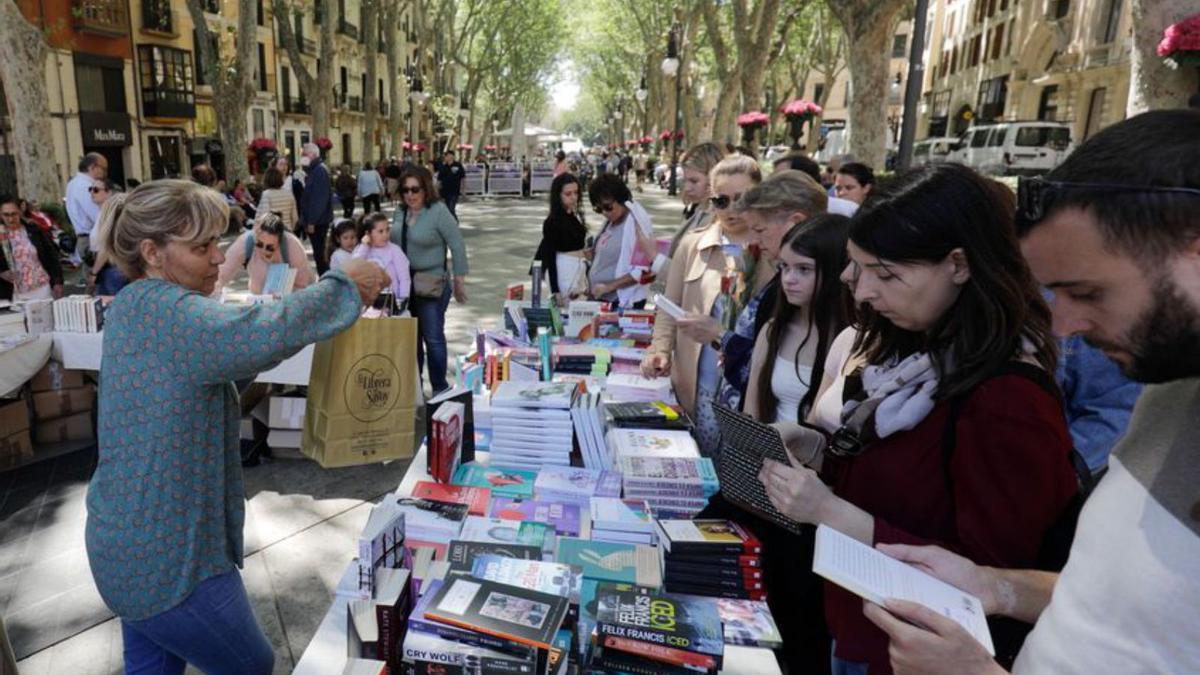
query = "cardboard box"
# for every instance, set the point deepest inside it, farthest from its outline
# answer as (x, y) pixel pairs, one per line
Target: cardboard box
(14, 417)
(48, 405)
(54, 376)
(15, 450)
(77, 427)
(286, 412)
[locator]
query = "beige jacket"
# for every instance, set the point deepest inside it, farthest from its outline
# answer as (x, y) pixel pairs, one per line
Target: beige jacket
(693, 283)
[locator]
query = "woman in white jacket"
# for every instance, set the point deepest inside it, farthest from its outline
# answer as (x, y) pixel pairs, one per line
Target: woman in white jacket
(625, 257)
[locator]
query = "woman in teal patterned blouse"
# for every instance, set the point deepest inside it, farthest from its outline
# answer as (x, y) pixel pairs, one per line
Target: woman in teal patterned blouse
(166, 504)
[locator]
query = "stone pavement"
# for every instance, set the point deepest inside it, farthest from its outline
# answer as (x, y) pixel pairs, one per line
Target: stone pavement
(301, 520)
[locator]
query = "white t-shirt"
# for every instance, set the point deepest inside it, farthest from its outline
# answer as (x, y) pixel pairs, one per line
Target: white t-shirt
(789, 389)
(1128, 600)
(842, 207)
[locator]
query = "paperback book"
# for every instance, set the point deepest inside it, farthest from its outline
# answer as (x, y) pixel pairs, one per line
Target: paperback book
(534, 395)
(476, 499)
(621, 515)
(502, 481)
(462, 554)
(547, 577)
(647, 415)
(509, 612)
(708, 536)
(626, 442)
(428, 652)
(428, 520)
(564, 517)
(576, 484)
(680, 631)
(500, 531)
(607, 561)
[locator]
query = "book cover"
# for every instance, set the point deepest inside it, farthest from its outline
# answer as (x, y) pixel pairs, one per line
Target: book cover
(462, 554)
(535, 395)
(502, 481)
(689, 628)
(652, 443)
(500, 531)
(748, 623)
(622, 515)
(563, 517)
(647, 415)
(607, 561)
(547, 577)
(427, 518)
(475, 498)
(447, 440)
(717, 536)
(510, 612)
(570, 480)
(670, 472)
(423, 649)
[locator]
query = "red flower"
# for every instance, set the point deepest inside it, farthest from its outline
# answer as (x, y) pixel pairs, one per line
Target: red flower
(753, 119)
(324, 143)
(261, 144)
(1181, 37)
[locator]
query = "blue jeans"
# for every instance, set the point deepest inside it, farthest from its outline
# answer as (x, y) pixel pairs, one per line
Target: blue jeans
(214, 629)
(431, 340)
(451, 202)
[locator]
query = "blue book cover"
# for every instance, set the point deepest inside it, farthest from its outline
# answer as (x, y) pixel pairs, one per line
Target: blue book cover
(609, 561)
(502, 481)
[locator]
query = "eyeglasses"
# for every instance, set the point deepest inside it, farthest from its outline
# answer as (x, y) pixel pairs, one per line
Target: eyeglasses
(1035, 195)
(95, 189)
(269, 248)
(411, 190)
(604, 208)
(723, 201)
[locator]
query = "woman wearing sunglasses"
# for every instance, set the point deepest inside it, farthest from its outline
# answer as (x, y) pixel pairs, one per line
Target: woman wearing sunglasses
(694, 281)
(255, 251)
(627, 234)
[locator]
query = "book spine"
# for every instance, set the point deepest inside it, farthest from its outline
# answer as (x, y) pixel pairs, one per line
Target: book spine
(386, 619)
(721, 571)
(718, 560)
(730, 593)
(650, 650)
(532, 642)
(655, 485)
(712, 582)
(700, 549)
(468, 637)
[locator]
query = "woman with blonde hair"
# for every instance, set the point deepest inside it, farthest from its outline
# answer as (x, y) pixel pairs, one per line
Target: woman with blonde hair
(166, 505)
(107, 278)
(694, 282)
(697, 163)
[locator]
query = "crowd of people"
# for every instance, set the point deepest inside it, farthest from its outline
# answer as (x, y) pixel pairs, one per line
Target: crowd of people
(975, 356)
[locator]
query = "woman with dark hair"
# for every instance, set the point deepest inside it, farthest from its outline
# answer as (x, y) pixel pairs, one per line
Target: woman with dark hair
(560, 163)
(268, 243)
(564, 237)
(854, 181)
(426, 230)
(950, 425)
(627, 232)
(811, 309)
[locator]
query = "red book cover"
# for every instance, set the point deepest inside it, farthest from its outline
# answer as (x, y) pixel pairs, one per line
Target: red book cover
(476, 498)
(677, 657)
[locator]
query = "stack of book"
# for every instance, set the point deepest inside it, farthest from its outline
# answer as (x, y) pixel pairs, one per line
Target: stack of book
(716, 558)
(674, 487)
(78, 314)
(375, 626)
(633, 387)
(582, 360)
(636, 325)
(502, 531)
(576, 484)
(588, 418)
(475, 498)
(646, 415)
(568, 519)
(626, 521)
(651, 633)
(475, 624)
(625, 442)
(430, 523)
(503, 481)
(532, 425)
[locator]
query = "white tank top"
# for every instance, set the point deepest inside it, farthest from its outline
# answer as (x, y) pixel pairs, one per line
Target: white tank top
(788, 388)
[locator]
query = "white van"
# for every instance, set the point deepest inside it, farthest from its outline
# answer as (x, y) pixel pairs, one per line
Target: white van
(1013, 148)
(932, 150)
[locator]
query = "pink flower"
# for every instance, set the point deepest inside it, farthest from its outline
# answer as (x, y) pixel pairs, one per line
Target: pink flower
(1183, 36)
(801, 108)
(753, 119)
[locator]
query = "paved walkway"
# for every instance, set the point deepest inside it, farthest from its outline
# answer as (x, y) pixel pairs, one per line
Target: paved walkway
(301, 520)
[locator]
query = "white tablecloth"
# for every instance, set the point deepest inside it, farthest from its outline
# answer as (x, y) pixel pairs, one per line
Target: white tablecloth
(326, 653)
(19, 364)
(84, 351)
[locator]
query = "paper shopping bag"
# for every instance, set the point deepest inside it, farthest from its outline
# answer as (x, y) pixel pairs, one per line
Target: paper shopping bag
(362, 394)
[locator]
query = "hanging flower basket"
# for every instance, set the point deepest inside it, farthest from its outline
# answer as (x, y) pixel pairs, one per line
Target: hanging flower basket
(465, 146)
(490, 147)
(750, 123)
(1180, 45)
(798, 113)
(324, 145)
(261, 151)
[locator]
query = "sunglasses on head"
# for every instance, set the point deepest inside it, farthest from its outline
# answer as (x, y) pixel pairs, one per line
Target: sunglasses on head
(723, 201)
(269, 248)
(411, 190)
(604, 208)
(1036, 195)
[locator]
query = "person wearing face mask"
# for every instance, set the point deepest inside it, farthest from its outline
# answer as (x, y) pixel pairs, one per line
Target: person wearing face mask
(562, 250)
(949, 423)
(316, 203)
(256, 250)
(166, 504)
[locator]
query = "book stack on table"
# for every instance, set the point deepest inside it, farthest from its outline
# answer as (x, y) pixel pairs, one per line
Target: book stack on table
(716, 558)
(576, 484)
(532, 425)
(626, 521)
(643, 632)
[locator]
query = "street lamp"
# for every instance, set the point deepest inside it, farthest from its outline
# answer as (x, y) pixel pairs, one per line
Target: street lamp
(670, 68)
(642, 92)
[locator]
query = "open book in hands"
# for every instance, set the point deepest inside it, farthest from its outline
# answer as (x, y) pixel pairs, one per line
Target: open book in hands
(876, 577)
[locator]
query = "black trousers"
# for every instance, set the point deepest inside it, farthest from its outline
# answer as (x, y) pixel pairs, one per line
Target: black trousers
(348, 206)
(320, 232)
(369, 201)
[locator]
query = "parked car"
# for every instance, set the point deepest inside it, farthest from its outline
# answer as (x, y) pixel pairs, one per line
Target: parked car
(931, 150)
(1013, 148)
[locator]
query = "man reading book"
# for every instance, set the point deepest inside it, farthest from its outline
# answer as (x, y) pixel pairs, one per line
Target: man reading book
(1114, 233)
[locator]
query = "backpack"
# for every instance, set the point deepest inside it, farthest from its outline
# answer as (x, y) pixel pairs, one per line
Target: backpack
(283, 248)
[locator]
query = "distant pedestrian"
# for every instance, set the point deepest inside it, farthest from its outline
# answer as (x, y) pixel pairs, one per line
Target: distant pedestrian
(29, 268)
(370, 185)
(316, 204)
(277, 199)
(347, 190)
(80, 208)
(391, 179)
(854, 181)
(560, 163)
(450, 175)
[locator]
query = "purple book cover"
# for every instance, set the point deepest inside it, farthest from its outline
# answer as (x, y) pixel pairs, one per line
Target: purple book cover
(563, 517)
(609, 485)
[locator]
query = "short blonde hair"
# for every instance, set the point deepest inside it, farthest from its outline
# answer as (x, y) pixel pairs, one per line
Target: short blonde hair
(702, 157)
(162, 211)
(734, 165)
(785, 192)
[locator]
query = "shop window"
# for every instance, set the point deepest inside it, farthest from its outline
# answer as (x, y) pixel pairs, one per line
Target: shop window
(168, 88)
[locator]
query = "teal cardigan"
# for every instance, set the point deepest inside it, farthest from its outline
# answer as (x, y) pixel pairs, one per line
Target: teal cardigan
(166, 503)
(435, 231)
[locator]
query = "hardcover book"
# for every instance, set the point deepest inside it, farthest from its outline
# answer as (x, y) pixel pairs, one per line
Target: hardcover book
(475, 498)
(502, 481)
(446, 442)
(462, 554)
(675, 630)
(509, 612)
(607, 561)
(736, 561)
(698, 537)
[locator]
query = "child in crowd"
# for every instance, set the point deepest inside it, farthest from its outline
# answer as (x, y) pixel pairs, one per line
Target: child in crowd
(377, 247)
(343, 237)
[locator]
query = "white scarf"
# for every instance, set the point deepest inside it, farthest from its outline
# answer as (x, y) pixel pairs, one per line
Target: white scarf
(901, 394)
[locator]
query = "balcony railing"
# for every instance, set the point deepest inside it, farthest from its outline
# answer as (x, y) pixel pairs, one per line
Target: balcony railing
(306, 45)
(157, 17)
(101, 17)
(354, 103)
(348, 29)
(296, 106)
